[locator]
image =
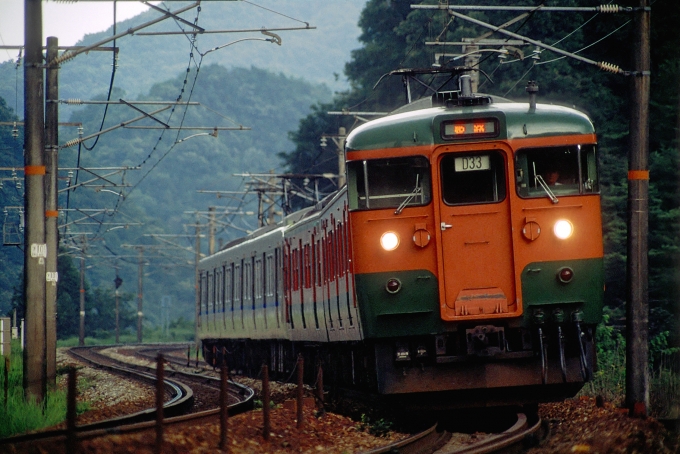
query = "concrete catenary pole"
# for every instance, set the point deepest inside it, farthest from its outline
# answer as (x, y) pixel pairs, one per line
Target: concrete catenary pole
(637, 313)
(51, 208)
(35, 249)
(197, 282)
(140, 294)
(81, 331)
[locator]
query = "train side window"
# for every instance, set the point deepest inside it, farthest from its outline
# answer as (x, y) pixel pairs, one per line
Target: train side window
(269, 284)
(228, 289)
(472, 178)
(389, 183)
(557, 171)
(238, 280)
(204, 293)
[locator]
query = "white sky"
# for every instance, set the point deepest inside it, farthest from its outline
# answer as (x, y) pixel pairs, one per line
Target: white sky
(67, 21)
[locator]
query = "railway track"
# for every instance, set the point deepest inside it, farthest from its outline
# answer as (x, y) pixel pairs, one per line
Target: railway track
(437, 439)
(433, 441)
(182, 403)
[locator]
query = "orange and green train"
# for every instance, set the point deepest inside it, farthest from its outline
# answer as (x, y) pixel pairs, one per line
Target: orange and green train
(461, 265)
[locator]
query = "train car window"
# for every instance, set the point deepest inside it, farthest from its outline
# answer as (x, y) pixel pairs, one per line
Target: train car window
(389, 183)
(258, 279)
(557, 171)
(229, 290)
(238, 279)
(473, 178)
(269, 284)
(219, 302)
(247, 282)
(308, 264)
(204, 292)
(210, 295)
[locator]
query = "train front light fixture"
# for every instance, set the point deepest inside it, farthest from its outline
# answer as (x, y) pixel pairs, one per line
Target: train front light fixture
(563, 229)
(389, 241)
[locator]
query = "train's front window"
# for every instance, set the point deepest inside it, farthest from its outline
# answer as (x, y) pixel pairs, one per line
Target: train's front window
(557, 171)
(389, 183)
(473, 178)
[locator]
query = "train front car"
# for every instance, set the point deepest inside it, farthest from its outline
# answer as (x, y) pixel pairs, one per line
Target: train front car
(477, 250)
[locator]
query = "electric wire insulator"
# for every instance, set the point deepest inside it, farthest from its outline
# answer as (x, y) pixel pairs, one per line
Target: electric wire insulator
(609, 9)
(73, 101)
(609, 67)
(71, 143)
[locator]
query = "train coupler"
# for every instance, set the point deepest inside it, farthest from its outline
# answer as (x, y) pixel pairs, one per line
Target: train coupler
(485, 340)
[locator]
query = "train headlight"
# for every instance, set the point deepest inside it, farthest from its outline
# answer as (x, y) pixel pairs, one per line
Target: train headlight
(389, 241)
(563, 229)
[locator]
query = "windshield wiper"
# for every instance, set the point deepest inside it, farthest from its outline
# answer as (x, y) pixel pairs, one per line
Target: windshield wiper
(417, 190)
(546, 188)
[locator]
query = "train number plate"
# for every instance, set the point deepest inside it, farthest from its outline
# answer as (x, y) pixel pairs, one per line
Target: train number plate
(470, 163)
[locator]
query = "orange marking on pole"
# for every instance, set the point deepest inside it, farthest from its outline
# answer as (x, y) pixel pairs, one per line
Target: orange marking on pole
(34, 170)
(638, 174)
(51, 213)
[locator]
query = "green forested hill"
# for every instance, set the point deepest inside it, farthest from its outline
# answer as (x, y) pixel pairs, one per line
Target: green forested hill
(255, 84)
(317, 54)
(172, 171)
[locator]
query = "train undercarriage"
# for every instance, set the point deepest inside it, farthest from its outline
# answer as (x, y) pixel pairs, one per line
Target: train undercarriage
(478, 366)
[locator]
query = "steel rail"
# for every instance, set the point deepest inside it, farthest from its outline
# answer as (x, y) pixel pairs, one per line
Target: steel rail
(174, 409)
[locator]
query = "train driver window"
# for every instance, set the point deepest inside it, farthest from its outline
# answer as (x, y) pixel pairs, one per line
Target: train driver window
(557, 171)
(395, 183)
(473, 178)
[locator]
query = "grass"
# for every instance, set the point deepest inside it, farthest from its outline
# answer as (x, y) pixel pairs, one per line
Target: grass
(181, 333)
(19, 415)
(609, 380)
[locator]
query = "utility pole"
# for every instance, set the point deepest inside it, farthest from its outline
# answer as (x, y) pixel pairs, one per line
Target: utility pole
(339, 141)
(81, 337)
(117, 282)
(211, 230)
(51, 208)
(197, 277)
(35, 249)
(140, 293)
(637, 309)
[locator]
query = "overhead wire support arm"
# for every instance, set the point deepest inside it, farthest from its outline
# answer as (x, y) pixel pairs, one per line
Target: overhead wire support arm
(68, 55)
(176, 17)
(145, 113)
(73, 101)
(244, 30)
(602, 65)
(74, 142)
(562, 9)
(200, 128)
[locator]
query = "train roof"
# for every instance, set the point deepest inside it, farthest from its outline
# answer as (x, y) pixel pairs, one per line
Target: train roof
(419, 123)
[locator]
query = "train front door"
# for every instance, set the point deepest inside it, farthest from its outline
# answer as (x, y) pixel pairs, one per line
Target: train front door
(476, 239)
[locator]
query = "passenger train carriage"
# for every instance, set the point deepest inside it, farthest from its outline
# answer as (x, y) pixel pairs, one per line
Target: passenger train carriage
(461, 265)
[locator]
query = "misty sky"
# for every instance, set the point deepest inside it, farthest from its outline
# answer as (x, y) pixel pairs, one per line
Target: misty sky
(67, 21)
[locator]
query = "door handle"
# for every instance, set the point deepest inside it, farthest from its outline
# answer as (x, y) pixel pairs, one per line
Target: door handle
(445, 226)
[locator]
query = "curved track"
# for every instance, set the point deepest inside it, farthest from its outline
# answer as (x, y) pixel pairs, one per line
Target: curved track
(177, 407)
(513, 439)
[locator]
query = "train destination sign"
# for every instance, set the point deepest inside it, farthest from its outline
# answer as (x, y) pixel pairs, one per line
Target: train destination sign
(465, 129)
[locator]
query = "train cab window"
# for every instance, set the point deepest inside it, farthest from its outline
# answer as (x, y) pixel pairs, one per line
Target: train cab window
(473, 178)
(557, 171)
(389, 183)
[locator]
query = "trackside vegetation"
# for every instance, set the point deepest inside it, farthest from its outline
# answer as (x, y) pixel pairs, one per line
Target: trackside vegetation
(19, 415)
